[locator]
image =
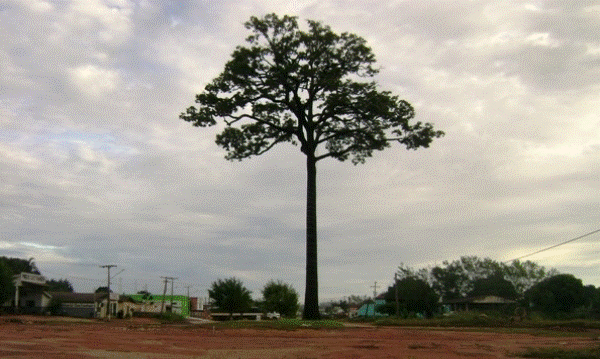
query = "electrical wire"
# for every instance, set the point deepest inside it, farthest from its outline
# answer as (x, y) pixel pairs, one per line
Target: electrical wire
(554, 246)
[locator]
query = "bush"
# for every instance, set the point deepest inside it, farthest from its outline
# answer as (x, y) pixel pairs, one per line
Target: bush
(170, 317)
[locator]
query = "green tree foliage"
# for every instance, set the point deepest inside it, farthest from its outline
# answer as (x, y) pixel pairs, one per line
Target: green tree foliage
(7, 288)
(281, 298)
(230, 295)
(102, 290)
(61, 285)
(561, 293)
(494, 284)
(524, 275)
(18, 265)
(457, 279)
(415, 295)
(307, 88)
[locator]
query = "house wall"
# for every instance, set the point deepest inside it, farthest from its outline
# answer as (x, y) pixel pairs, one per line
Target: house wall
(181, 304)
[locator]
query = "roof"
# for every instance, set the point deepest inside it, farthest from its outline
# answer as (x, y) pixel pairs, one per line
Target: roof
(75, 297)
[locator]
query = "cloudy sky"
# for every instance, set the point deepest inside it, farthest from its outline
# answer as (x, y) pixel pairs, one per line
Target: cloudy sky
(97, 168)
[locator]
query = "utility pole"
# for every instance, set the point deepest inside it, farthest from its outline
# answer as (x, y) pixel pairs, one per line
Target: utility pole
(374, 290)
(162, 308)
(172, 282)
(396, 294)
(108, 267)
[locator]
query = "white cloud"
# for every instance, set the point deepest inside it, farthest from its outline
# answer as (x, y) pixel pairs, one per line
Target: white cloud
(543, 39)
(93, 80)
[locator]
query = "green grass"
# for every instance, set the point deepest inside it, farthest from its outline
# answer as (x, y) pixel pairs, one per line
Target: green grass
(281, 324)
(560, 353)
(478, 320)
(170, 318)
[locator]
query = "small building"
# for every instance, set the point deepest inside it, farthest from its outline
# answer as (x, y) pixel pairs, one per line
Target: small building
(481, 303)
(369, 309)
(31, 295)
(82, 305)
(92, 305)
(153, 304)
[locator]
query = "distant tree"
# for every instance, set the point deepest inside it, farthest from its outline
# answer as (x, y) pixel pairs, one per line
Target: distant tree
(558, 294)
(102, 290)
(524, 275)
(592, 296)
(414, 295)
(456, 279)
(19, 265)
(310, 88)
(493, 285)
(146, 297)
(281, 298)
(231, 296)
(7, 288)
(61, 285)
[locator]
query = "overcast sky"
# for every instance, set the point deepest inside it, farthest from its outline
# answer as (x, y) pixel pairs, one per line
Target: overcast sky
(97, 168)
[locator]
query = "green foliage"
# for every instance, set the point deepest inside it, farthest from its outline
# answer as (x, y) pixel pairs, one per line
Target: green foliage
(61, 285)
(296, 86)
(7, 288)
(560, 293)
(170, 317)
(494, 284)
(474, 276)
(230, 295)
(302, 87)
(415, 295)
(102, 290)
(281, 298)
(18, 265)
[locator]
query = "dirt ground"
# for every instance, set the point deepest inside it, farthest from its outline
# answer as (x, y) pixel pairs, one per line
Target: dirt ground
(50, 337)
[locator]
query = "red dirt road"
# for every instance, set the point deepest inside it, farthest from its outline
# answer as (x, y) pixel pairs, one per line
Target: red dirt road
(38, 337)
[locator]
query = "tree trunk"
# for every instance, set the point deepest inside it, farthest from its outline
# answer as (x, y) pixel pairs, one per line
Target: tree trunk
(311, 294)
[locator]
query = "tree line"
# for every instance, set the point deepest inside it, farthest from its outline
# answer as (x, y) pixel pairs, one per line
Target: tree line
(529, 285)
(231, 296)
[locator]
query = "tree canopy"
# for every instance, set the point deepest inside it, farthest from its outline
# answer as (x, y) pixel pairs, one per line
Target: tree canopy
(19, 265)
(414, 295)
(230, 295)
(281, 298)
(7, 287)
(560, 293)
(60, 285)
(308, 88)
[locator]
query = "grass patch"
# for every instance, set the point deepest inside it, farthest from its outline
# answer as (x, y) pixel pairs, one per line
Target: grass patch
(168, 317)
(281, 324)
(560, 353)
(478, 320)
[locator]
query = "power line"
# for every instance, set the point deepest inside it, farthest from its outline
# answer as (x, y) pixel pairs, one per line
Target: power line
(554, 246)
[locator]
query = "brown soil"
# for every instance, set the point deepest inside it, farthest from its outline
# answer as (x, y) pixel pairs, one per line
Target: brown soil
(50, 337)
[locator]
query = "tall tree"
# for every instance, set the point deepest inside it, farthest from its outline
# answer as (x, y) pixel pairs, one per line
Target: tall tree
(281, 298)
(306, 88)
(230, 295)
